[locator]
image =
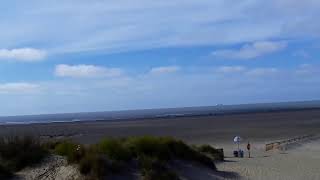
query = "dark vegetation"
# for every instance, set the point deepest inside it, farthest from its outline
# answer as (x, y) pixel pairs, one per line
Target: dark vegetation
(19, 152)
(151, 155)
(216, 154)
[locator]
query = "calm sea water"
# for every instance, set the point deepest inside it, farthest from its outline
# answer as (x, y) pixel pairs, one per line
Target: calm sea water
(157, 113)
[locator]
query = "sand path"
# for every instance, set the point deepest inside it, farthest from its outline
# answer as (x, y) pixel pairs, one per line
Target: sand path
(296, 163)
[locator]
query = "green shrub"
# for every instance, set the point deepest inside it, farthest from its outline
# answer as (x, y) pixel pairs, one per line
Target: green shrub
(166, 148)
(181, 150)
(50, 145)
(154, 169)
(19, 152)
(72, 151)
(203, 159)
(93, 165)
(114, 149)
(149, 146)
(147, 163)
(185, 152)
(110, 155)
(216, 154)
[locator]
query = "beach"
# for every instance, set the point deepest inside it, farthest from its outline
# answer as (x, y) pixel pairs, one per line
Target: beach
(298, 161)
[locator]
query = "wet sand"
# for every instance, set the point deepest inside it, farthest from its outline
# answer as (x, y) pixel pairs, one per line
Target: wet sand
(206, 129)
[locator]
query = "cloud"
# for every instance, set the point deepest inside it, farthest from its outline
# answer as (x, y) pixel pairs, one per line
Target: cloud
(201, 87)
(86, 71)
(23, 54)
(308, 69)
(231, 69)
(252, 72)
(262, 71)
(302, 54)
(121, 26)
(165, 70)
(19, 88)
(250, 51)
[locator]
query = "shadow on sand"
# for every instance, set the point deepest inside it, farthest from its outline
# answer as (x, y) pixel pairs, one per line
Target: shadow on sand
(191, 171)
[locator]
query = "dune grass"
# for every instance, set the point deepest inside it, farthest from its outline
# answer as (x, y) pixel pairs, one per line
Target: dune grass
(93, 165)
(216, 154)
(152, 168)
(152, 155)
(19, 152)
(72, 151)
(115, 149)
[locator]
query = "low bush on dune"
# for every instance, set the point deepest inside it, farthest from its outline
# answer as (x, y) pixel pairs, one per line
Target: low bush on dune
(216, 154)
(166, 148)
(150, 146)
(50, 145)
(153, 168)
(115, 149)
(19, 152)
(93, 165)
(70, 150)
(153, 154)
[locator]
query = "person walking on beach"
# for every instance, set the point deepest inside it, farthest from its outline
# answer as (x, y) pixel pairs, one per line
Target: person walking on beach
(248, 148)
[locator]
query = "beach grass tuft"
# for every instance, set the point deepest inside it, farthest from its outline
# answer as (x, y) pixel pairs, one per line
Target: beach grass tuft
(152, 168)
(115, 149)
(19, 152)
(216, 154)
(93, 165)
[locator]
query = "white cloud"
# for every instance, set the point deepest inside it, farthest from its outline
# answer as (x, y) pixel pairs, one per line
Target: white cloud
(122, 26)
(19, 87)
(202, 87)
(86, 71)
(165, 70)
(23, 54)
(308, 69)
(231, 69)
(262, 71)
(253, 72)
(250, 51)
(302, 54)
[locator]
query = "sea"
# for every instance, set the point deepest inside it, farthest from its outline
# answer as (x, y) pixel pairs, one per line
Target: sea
(159, 113)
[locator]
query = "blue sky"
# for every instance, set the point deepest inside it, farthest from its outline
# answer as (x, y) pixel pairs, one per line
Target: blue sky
(73, 56)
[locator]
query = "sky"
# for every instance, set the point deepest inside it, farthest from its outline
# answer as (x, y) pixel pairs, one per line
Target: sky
(81, 56)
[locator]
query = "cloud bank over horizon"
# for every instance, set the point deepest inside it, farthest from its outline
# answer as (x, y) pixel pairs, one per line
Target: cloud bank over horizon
(219, 85)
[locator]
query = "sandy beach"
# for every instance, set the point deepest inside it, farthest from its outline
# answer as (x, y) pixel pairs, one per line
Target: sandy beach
(298, 161)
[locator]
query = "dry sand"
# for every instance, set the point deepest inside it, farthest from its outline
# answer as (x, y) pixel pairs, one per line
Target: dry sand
(295, 163)
(298, 162)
